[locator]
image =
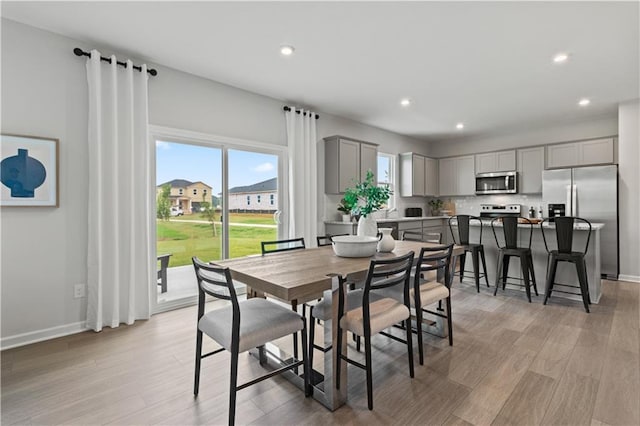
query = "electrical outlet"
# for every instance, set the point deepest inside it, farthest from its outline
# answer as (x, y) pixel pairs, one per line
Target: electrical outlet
(79, 291)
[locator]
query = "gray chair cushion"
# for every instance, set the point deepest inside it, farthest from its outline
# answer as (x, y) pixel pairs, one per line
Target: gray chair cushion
(430, 292)
(261, 321)
(322, 309)
(384, 314)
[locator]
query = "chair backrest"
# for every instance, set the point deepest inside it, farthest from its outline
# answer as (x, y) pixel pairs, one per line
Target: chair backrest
(325, 240)
(564, 232)
(281, 245)
(462, 221)
(510, 231)
(434, 259)
(215, 281)
(427, 237)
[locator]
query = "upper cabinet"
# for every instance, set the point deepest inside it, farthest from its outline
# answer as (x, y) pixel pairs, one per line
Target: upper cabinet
(530, 167)
(418, 175)
(502, 161)
(597, 151)
(457, 175)
(347, 162)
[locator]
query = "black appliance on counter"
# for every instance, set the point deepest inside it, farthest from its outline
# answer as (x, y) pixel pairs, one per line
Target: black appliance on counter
(488, 211)
(556, 210)
(413, 212)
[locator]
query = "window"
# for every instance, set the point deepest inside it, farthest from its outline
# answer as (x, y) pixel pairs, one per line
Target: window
(195, 191)
(204, 192)
(248, 200)
(258, 198)
(180, 191)
(272, 199)
(387, 175)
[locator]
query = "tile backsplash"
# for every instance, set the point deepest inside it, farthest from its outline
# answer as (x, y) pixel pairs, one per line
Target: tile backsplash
(471, 204)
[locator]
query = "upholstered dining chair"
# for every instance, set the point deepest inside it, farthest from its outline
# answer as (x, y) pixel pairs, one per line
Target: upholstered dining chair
(241, 326)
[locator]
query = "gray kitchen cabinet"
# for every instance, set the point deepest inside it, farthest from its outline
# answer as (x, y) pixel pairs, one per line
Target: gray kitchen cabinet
(501, 161)
(412, 175)
(530, 167)
(431, 177)
(457, 175)
(586, 153)
(347, 162)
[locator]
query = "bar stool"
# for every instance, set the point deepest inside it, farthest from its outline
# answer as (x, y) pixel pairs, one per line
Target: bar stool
(564, 237)
(476, 249)
(511, 249)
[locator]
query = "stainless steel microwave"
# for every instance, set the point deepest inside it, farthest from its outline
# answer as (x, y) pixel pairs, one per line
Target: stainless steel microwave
(497, 183)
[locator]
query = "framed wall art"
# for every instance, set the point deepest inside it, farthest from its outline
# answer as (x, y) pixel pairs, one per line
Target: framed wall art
(28, 171)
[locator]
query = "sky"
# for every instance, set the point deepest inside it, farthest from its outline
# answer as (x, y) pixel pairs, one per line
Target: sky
(198, 163)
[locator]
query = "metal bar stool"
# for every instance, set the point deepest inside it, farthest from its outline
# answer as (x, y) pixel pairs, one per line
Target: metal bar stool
(476, 249)
(511, 249)
(564, 237)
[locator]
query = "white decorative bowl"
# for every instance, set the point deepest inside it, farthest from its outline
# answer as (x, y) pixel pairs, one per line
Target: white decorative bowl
(354, 246)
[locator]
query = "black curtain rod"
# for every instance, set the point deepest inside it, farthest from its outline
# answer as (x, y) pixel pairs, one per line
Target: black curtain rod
(80, 52)
(286, 108)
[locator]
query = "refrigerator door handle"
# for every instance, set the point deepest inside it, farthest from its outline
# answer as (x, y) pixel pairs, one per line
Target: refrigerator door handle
(574, 200)
(568, 207)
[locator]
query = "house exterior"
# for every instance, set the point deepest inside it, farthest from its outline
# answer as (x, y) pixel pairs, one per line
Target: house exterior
(259, 197)
(187, 195)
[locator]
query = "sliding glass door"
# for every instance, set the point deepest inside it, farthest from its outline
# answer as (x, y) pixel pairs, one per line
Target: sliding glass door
(213, 201)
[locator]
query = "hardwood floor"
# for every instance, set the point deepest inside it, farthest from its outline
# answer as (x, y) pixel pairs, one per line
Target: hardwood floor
(512, 363)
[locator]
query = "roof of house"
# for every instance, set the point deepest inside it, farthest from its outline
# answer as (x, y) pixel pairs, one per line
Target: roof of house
(267, 185)
(181, 183)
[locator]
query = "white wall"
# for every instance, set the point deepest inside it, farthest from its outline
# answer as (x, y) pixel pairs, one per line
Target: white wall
(44, 93)
(629, 189)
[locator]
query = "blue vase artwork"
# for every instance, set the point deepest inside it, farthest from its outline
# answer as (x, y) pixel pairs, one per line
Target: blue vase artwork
(22, 174)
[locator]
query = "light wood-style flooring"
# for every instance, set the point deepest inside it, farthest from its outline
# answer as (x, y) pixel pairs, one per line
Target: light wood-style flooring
(511, 363)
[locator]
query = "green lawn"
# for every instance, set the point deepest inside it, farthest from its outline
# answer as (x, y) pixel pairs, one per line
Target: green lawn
(184, 240)
(253, 218)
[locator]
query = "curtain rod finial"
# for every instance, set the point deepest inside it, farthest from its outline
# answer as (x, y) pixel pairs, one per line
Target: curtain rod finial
(78, 51)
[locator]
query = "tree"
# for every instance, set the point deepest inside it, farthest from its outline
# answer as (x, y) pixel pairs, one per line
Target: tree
(163, 205)
(208, 213)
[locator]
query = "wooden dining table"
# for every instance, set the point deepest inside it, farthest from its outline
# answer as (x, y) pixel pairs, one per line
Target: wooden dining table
(298, 276)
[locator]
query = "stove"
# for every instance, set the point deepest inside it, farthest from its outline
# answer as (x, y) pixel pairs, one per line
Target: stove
(497, 210)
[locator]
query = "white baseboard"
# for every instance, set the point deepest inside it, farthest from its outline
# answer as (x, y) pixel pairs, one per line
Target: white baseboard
(40, 335)
(632, 278)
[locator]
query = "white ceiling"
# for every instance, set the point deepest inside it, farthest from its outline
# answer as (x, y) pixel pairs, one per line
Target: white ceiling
(487, 64)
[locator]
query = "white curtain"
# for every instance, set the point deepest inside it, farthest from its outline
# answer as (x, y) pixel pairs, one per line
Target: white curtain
(119, 250)
(303, 175)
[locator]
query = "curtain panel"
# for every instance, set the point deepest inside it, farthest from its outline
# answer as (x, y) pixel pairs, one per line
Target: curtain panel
(303, 174)
(120, 266)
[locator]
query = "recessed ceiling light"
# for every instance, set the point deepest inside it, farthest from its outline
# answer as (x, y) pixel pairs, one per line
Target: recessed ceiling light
(287, 50)
(405, 102)
(460, 126)
(560, 58)
(584, 102)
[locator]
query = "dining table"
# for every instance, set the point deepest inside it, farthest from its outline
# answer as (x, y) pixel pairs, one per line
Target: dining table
(299, 276)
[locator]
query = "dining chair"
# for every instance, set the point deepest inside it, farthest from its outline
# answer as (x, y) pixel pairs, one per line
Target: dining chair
(325, 240)
(375, 314)
(242, 326)
(476, 250)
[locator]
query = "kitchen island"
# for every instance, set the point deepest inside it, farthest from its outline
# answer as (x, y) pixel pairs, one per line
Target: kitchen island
(566, 272)
(423, 224)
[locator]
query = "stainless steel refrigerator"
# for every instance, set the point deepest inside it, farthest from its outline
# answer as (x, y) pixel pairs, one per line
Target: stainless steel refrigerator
(590, 193)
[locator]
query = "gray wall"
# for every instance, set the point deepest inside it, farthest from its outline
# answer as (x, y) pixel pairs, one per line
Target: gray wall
(44, 93)
(629, 189)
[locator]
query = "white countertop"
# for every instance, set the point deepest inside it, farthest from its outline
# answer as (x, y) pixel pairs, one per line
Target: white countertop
(390, 220)
(578, 226)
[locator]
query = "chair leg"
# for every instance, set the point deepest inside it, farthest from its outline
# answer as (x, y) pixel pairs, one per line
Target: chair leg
(484, 266)
(306, 371)
(524, 265)
(367, 355)
(463, 256)
(533, 274)
(582, 278)
(586, 279)
(419, 330)
(450, 320)
(476, 269)
(233, 387)
(357, 342)
(410, 346)
(498, 273)
(505, 271)
(338, 354)
(312, 335)
(196, 381)
(294, 308)
(550, 278)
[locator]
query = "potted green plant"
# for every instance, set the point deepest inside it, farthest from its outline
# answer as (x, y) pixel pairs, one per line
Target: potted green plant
(436, 206)
(345, 207)
(367, 197)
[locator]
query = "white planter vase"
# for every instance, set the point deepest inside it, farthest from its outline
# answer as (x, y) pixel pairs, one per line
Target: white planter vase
(367, 227)
(386, 243)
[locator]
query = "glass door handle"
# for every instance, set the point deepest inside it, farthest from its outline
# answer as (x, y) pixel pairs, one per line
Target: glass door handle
(276, 216)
